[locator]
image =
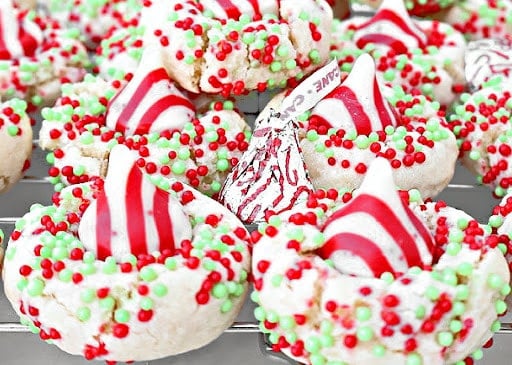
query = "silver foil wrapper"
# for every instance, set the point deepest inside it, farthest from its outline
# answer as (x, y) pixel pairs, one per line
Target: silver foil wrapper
(271, 175)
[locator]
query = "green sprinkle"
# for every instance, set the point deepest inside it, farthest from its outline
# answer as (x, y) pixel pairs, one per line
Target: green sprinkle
(478, 354)
(387, 277)
(276, 280)
(363, 313)
(65, 275)
(312, 345)
(495, 327)
(226, 306)
(148, 273)
(445, 338)
(495, 281)
(317, 359)
(220, 291)
(500, 306)
(222, 165)
(22, 284)
(458, 308)
(456, 326)
(364, 333)
(379, 350)
(12, 130)
(432, 293)
(179, 167)
(453, 248)
(414, 359)
(465, 269)
(146, 303)
(35, 287)
(160, 290)
(107, 303)
(420, 312)
(88, 295)
(83, 314)
(462, 292)
(495, 221)
(122, 316)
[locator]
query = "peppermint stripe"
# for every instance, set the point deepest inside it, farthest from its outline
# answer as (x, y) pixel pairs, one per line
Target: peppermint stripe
(360, 119)
(389, 222)
(5, 54)
(135, 223)
(155, 83)
(137, 97)
(386, 15)
(135, 219)
(15, 40)
(157, 108)
(383, 108)
(223, 9)
(231, 9)
(103, 230)
(358, 246)
(164, 225)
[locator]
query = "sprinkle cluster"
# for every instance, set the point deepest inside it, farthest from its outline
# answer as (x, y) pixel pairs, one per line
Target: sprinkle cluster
(481, 122)
(95, 18)
(481, 19)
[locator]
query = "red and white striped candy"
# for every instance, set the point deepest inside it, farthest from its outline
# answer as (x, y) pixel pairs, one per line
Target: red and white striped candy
(233, 9)
(17, 37)
(376, 232)
(150, 102)
(357, 103)
(391, 26)
(131, 215)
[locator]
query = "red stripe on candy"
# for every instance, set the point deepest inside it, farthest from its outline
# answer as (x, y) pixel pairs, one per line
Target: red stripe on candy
(159, 107)
(163, 221)
(392, 17)
(384, 116)
(135, 223)
(358, 246)
(4, 52)
(28, 42)
(137, 97)
(231, 9)
(103, 226)
(256, 6)
(381, 212)
(361, 120)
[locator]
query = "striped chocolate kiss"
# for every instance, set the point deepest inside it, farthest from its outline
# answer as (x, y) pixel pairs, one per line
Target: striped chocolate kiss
(392, 27)
(357, 103)
(19, 36)
(271, 176)
(150, 102)
(234, 9)
(131, 215)
(376, 231)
